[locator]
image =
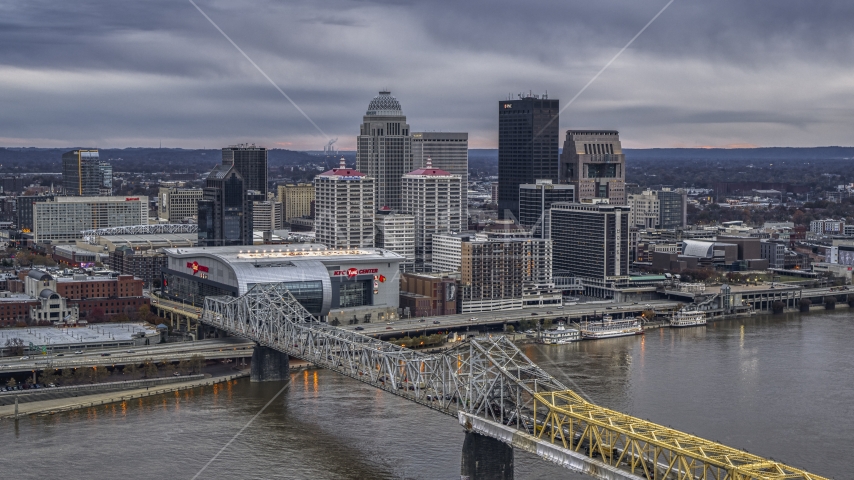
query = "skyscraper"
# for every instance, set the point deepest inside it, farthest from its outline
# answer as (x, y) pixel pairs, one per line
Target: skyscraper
(594, 162)
(432, 196)
(344, 208)
(384, 149)
(527, 146)
(251, 162)
(83, 174)
(448, 151)
(225, 211)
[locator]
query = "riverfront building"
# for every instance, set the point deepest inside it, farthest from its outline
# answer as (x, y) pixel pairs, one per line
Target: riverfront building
(62, 219)
(344, 208)
(384, 149)
(590, 240)
(506, 269)
(527, 146)
(594, 162)
(343, 284)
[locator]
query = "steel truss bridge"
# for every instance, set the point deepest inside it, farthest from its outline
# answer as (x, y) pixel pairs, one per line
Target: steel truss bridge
(493, 389)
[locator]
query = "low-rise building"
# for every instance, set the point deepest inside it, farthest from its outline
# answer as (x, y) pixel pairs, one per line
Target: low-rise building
(428, 294)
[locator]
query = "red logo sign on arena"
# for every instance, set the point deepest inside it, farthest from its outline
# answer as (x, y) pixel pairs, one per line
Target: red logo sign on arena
(196, 267)
(352, 272)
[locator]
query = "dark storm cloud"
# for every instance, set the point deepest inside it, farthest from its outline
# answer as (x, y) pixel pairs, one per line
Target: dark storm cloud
(131, 73)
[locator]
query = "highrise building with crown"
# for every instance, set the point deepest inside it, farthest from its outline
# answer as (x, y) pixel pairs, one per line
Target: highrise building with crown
(344, 208)
(432, 196)
(384, 149)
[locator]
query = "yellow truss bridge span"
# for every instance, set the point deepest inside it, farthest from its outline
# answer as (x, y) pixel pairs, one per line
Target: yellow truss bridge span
(647, 449)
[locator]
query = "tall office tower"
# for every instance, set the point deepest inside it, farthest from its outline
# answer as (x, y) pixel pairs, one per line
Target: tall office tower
(225, 211)
(590, 240)
(396, 233)
(176, 205)
(105, 170)
(528, 136)
(251, 162)
(296, 199)
(344, 208)
(384, 149)
(594, 162)
(432, 196)
(448, 151)
(536, 199)
(82, 174)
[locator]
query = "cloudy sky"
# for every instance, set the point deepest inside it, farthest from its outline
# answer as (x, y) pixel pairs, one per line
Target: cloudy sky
(706, 73)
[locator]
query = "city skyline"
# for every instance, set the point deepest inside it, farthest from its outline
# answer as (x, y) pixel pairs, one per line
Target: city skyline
(728, 74)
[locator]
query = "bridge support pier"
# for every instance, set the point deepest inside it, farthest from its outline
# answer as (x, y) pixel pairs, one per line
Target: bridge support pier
(268, 365)
(485, 458)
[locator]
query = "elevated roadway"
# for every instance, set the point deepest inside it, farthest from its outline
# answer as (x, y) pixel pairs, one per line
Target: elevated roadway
(492, 319)
(210, 349)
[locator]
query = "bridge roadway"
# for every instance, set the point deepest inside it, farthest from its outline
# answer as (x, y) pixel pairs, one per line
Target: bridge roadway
(487, 319)
(214, 349)
(502, 399)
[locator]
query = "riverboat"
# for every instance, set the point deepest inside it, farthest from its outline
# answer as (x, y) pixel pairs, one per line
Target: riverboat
(610, 328)
(560, 335)
(688, 318)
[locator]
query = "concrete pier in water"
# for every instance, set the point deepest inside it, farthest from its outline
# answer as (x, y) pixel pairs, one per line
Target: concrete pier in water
(485, 458)
(268, 365)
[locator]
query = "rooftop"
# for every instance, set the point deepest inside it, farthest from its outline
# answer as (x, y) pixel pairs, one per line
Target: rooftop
(52, 336)
(384, 105)
(342, 171)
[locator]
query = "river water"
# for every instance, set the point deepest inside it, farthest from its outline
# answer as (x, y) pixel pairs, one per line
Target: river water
(777, 386)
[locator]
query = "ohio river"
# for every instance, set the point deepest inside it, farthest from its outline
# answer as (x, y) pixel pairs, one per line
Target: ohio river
(777, 386)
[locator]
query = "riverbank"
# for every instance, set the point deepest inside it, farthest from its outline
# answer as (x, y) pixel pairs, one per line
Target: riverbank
(50, 407)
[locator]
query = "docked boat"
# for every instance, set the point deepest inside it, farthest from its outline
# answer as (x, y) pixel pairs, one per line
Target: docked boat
(560, 335)
(610, 328)
(688, 318)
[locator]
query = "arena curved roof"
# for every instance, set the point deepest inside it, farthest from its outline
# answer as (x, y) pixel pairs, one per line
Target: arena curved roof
(697, 248)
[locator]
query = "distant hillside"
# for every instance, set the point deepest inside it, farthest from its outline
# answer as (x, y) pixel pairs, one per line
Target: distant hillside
(20, 160)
